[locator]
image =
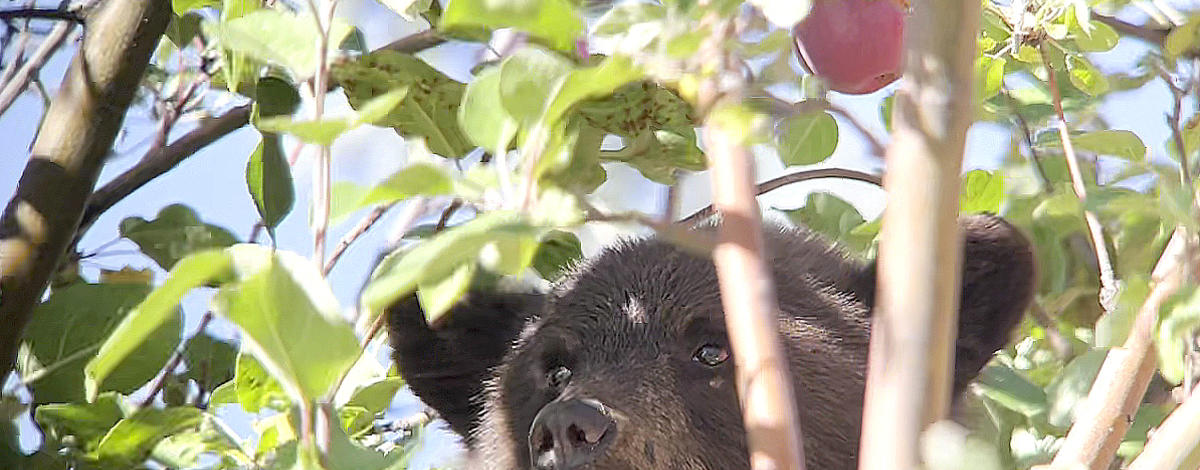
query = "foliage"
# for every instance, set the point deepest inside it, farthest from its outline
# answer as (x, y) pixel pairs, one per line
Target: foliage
(114, 381)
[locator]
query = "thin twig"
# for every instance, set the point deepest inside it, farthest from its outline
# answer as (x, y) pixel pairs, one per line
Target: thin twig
(9, 91)
(323, 176)
(1108, 280)
(41, 14)
(363, 225)
(446, 214)
(799, 176)
(1175, 122)
(1027, 134)
(1107, 412)
(176, 358)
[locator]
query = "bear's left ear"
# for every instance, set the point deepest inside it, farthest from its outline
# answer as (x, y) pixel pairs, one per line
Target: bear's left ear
(998, 279)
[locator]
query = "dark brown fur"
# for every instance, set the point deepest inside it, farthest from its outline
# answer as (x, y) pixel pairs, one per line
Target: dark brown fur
(628, 322)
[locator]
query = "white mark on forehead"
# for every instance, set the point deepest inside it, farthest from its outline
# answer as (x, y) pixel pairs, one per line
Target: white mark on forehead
(634, 311)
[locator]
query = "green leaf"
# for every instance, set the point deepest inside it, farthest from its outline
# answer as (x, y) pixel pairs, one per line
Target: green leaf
(377, 396)
(981, 192)
(438, 257)
(989, 73)
(289, 320)
(255, 389)
(269, 179)
(1011, 390)
(1183, 39)
(659, 154)
(437, 296)
(209, 361)
(181, 7)
(1113, 328)
(1118, 143)
(1099, 37)
(1176, 332)
(177, 232)
(826, 214)
(482, 115)
(554, 21)
(429, 109)
(556, 253)
(275, 97)
(68, 328)
(622, 17)
(1069, 388)
(528, 81)
(278, 37)
(159, 307)
(807, 139)
(409, 9)
(325, 131)
(592, 82)
(183, 28)
(184, 449)
(87, 422)
(419, 179)
(1086, 77)
(130, 441)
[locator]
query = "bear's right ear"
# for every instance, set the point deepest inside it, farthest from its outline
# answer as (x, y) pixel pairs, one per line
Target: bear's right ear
(447, 367)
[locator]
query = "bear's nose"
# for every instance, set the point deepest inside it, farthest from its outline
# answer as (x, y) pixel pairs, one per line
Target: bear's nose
(569, 434)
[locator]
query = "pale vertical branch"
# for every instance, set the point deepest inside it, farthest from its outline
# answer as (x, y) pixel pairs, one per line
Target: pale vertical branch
(1108, 411)
(764, 381)
(1174, 440)
(912, 336)
(76, 135)
(1108, 278)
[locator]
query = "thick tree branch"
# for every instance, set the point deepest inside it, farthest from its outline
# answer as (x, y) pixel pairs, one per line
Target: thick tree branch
(913, 325)
(160, 160)
(78, 132)
(764, 381)
(779, 182)
(1106, 414)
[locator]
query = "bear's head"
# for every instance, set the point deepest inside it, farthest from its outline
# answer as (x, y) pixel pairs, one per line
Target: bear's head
(625, 364)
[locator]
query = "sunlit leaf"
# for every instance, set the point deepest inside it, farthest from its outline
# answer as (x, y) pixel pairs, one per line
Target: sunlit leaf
(554, 21)
(807, 139)
(981, 192)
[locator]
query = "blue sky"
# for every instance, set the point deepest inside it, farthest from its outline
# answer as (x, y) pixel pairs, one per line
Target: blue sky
(212, 181)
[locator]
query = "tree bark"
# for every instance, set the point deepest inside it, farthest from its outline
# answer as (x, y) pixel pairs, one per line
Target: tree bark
(76, 136)
(912, 338)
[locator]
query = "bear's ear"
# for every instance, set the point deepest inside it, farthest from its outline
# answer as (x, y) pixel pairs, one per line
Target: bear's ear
(998, 280)
(447, 366)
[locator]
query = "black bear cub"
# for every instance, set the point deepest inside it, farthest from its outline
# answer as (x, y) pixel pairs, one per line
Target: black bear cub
(625, 364)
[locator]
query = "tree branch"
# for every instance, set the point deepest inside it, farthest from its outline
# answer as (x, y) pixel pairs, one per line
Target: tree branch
(41, 14)
(1148, 34)
(909, 370)
(76, 135)
(779, 182)
(10, 90)
(358, 230)
(1108, 410)
(764, 381)
(160, 160)
(415, 42)
(1108, 278)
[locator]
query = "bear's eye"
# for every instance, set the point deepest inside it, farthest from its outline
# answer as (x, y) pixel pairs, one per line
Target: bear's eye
(711, 355)
(558, 377)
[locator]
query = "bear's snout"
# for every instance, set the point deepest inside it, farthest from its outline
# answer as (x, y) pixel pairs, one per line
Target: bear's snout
(569, 434)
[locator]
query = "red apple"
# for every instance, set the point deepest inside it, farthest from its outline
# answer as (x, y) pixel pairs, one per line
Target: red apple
(857, 46)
